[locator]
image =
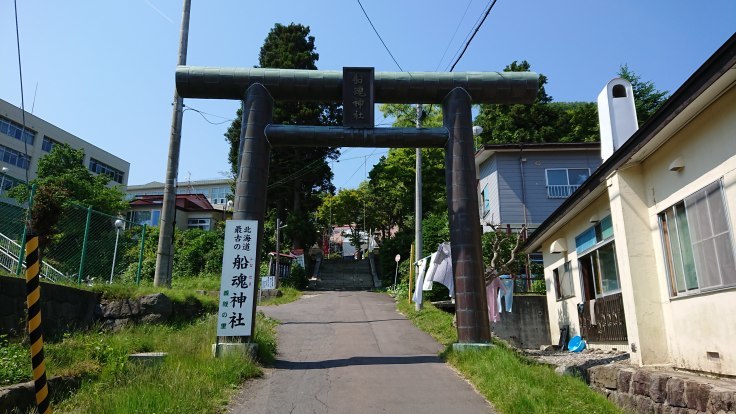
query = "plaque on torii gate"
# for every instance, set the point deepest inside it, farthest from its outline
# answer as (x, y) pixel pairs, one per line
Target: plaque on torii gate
(456, 91)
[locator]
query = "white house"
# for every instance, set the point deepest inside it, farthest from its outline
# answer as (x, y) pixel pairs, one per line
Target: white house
(641, 257)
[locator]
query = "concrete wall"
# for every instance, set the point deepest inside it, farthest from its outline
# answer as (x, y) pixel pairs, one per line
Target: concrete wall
(62, 308)
(527, 326)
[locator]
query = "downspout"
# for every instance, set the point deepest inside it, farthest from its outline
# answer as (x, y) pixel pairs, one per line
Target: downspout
(523, 209)
(523, 183)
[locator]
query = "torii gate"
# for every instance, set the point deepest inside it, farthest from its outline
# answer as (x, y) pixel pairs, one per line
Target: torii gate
(357, 88)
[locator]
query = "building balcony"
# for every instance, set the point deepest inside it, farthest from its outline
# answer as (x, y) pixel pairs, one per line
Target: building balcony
(561, 191)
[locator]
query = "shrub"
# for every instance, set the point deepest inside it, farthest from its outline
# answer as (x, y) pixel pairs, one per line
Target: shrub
(298, 278)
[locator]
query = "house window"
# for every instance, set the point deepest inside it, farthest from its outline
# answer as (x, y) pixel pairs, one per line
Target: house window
(198, 223)
(140, 217)
(561, 182)
(101, 168)
(14, 157)
(155, 216)
(485, 201)
(218, 195)
(696, 239)
(16, 131)
(48, 144)
(563, 281)
(597, 262)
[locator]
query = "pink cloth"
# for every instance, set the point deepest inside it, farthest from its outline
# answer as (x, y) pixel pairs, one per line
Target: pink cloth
(492, 296)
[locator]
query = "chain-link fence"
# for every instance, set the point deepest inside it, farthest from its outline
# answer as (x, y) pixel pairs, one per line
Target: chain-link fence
(85, 246)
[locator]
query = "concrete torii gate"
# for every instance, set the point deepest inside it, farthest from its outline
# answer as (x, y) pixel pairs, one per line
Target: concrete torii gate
(259, 87)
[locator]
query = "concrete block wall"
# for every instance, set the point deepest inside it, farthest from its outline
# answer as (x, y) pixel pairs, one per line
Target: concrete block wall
(527, 325)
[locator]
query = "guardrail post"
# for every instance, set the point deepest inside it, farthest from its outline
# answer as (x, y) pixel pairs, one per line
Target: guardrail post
(84, 245)
(140, 257)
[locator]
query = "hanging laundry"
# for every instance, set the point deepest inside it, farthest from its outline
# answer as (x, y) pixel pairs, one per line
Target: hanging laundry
(592, 312)
(430, 271)
(421, 265)
(508, 296)
(492, 291)
(440, 269)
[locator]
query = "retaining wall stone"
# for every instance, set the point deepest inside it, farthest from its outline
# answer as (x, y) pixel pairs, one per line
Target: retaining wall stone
(659, 391)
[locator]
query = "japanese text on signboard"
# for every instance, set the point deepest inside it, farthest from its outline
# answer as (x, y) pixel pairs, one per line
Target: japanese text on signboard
(238, 282)
(357, 97)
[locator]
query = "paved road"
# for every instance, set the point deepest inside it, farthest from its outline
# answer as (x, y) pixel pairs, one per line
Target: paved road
(351, 352)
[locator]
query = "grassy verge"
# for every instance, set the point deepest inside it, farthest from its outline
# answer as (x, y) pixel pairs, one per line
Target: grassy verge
(190, 379)
(290, 294)
(512, 382)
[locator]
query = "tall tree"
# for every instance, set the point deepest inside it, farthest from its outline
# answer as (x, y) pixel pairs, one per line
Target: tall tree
(647, 98)
(296, 175)
(519, 123)
(541, 121)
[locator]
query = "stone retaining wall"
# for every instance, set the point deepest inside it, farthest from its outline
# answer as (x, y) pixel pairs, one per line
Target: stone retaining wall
(63, 308)
(651, 390)
(66, 309)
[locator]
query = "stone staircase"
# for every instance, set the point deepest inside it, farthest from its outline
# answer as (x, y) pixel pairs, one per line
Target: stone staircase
(343, 274)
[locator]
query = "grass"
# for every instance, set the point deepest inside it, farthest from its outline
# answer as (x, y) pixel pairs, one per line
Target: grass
(512, 382)
(190, 379)
(290, 294)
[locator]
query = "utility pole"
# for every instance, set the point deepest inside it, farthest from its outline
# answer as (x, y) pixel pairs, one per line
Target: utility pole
(418, 192)
(418, 205)
(164, 254)
(278, 250)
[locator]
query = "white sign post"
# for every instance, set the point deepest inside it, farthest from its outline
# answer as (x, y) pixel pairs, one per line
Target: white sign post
(238, 283)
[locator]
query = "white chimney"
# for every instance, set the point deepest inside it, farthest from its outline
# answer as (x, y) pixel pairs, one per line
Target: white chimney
(616, 115)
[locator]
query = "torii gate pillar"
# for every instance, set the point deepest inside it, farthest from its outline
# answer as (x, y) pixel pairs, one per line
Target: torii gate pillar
(462, 208)
(252, 182)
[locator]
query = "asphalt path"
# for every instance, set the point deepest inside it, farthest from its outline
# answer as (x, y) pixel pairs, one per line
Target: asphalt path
(352, 352)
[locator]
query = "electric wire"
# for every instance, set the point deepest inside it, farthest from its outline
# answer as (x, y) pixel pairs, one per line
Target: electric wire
(477, 28)
(467, 36)
(22, 98)
(379, 36)
(453, 35)
(202, 114)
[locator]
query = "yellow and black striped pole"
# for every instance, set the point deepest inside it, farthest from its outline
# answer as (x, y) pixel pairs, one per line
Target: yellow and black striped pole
(35, 332)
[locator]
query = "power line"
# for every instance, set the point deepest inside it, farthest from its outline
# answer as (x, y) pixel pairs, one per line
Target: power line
(453, 35)
(202, 114)
(379, 36)
(22, 97)
(473, 35)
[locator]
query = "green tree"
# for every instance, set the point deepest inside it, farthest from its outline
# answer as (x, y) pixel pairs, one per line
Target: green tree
(647, 98)
(519, 123)
(296, 175)
(62, 179)
(346, 208)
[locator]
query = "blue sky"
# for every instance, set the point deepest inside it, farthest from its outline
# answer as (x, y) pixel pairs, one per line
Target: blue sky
(104, 69)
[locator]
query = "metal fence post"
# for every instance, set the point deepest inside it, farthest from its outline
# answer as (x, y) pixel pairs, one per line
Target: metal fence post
(21, 255)
(84, 245)
(140, 257)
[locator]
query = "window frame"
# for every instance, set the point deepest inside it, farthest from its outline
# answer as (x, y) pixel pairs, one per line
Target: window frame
(665, 238)
(485, 202)
(201, 225)
(556, 276)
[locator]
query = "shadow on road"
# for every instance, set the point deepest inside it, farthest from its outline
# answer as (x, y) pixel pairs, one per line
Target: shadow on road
(345, 362)
(339, 322)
